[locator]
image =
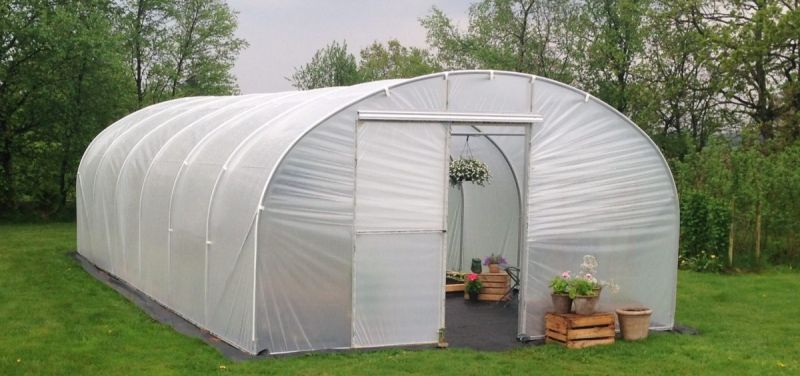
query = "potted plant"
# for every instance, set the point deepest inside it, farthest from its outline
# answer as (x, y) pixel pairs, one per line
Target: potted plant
(476, 266)
(585, 289)
(473, 286)
(469, 170)
(634, 322)
(585, 292)
(494, 262)
(559, 287)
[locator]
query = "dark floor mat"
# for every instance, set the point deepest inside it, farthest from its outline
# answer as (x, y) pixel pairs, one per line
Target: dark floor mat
(487, 326)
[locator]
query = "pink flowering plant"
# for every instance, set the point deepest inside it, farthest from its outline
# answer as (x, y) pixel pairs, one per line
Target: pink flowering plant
(473, 284)
(585, 283)
(560, 283)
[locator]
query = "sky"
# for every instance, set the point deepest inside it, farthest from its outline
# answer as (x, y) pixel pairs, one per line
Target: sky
(284, 34)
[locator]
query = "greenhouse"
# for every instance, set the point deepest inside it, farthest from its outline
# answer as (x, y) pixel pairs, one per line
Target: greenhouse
(326, 219)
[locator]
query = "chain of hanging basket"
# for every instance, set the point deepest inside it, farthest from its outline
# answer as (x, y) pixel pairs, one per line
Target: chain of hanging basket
(467, 168)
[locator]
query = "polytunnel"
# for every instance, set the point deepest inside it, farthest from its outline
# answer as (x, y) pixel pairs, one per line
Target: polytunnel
(324, 219)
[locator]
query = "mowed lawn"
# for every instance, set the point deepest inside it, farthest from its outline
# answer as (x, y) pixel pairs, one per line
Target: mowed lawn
(56, 319)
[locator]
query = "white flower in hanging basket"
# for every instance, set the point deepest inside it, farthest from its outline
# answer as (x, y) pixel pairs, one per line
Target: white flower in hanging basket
(469, 169)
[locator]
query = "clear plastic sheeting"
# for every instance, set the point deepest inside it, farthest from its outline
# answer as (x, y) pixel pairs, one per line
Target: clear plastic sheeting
(251, 217)
(598, 186)
(397, 224)
(391, 306)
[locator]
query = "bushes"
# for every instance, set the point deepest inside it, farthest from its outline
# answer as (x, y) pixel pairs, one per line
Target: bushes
(705, 224)
(740, 205)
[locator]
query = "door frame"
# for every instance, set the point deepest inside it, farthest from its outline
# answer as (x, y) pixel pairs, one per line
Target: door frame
(449, 119)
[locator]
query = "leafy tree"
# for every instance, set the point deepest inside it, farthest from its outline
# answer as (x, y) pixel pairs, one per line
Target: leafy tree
(681, 78)
(758, 44)
(330, 66)
(181, 47)
(538, 37)
(393, 60)
(616, 44)
(65, 73)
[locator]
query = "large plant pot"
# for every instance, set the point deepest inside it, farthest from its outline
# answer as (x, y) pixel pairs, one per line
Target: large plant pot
(585, 305)
(562, 303)
(634, 322)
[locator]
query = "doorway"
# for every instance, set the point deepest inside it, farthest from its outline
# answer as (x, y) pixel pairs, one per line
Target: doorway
(401, 221)
(483, 220)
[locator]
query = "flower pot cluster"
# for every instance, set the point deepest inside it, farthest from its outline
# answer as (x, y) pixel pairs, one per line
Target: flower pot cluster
(581, 293)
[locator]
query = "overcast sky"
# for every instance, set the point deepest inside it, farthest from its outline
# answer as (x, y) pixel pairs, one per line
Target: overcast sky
(284, 34)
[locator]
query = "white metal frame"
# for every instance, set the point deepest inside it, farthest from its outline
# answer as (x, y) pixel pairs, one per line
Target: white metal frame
(449, 117)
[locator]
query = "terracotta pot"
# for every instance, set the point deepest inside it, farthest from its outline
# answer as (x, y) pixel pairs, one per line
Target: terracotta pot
(634, 322)
(562, 303)
(585, 305)
(494, 268)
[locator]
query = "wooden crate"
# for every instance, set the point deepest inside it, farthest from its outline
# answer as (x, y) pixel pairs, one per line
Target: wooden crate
(579, 331)
(494, 286)
(454, 287)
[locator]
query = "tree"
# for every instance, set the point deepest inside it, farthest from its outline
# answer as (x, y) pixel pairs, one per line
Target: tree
(65, 73)
(58, 64)
(181, 47)
(538, 37)
(379, 62)
(681, 77)
(330, 66)
(616, 44)
(758, 43)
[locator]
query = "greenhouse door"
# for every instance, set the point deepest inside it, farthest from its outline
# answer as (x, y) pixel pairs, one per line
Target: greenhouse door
(398, 277)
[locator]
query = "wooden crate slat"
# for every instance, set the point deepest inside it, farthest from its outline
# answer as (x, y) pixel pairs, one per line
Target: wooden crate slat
(495, 284)
(556, 324)
(588, 333)
(556, 335)
(579, 321)
(579, 344)
(454, 287)
(493, 278)
(490, 297)
(490, 290)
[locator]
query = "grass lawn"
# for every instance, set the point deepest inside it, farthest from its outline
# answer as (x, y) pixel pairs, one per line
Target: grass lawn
(56, 319)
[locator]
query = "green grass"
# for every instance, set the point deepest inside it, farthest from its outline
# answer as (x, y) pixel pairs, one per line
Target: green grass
(56, 319)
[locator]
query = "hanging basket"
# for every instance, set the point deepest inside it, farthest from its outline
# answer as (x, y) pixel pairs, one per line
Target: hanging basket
(469, 170)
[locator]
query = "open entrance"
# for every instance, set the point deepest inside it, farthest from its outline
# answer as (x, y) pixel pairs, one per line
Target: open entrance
(483, 220)
(412, 226)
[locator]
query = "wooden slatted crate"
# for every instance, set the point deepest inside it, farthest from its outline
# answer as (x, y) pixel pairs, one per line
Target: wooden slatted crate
(494, 286)
(579, 331)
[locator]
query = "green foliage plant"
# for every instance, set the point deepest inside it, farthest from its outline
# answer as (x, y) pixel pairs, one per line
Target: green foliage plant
(469, 170)
(560, 283)
(474, 284)
(582, 286)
